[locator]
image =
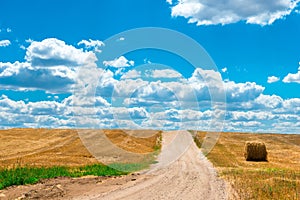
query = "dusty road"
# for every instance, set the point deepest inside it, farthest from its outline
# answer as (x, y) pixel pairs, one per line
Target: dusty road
(181, 173)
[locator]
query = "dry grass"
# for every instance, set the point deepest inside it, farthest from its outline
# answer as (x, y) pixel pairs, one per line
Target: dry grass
(61, 147)
(133, 143)
(279, 178)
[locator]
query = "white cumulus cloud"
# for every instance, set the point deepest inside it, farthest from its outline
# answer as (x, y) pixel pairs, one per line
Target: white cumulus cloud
(273, 79)
(54, 52)
(50, 65)
(92, 44)
(224, 69)
(104, 100)
(211, 12)
(119, 62)
(34, 114)
(131, 74)
(164, 73)
(269, 101)
(292, 77)
(23, 76)
(4, 43)
(169, 1)
(242, 91)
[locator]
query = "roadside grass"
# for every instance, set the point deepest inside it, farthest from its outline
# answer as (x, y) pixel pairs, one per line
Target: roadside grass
(279, 178)
(31, 175)
(130, 167)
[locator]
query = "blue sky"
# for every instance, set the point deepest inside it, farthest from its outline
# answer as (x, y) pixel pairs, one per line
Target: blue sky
(53, 72)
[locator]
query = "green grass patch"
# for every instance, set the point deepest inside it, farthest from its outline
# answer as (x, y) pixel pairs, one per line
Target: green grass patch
(129, 167)
(31, 175)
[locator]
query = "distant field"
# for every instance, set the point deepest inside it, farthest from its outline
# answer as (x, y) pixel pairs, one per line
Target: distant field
(61, 147)
(279, 178)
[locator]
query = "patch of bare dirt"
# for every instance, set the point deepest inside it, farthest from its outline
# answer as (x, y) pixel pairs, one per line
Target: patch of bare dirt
(64, 187)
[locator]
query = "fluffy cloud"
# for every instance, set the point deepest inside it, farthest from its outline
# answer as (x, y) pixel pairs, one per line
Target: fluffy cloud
(249, 115)
(118, 97)
(182, 115)
(51, 65)
(268, 101)
(4, 43)
(203, 12)
(154, 91)
(87, 80)
(169, 1)
(207, 84)
(23, 76)
(291, 106)
(164, 73)
(34, 114)
(51, 108)
(246, 124)
(122, 113)
(118, 62)
(207, 77)
(54, 52)
(292, 77)
(242, 92)
(131, 74)
(98, 113)
(224, 69)
(92, 44)
(10, 106)
(199, 87)
(281, 127)
(273, 79)
(128, 88)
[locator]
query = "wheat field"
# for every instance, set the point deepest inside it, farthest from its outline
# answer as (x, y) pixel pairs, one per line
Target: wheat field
(278, 178)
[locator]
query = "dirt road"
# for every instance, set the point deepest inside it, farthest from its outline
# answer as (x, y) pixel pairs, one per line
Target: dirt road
(181, 173)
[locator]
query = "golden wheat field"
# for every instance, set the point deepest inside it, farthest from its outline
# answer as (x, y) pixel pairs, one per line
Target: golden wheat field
(278, 178)
(61, 147)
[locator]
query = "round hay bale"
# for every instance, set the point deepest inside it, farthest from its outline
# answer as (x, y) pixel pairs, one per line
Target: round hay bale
(255, 151)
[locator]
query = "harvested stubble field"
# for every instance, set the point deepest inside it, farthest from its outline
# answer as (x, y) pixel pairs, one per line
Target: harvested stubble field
(61, 147)
(30, 156)
(279, 178)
